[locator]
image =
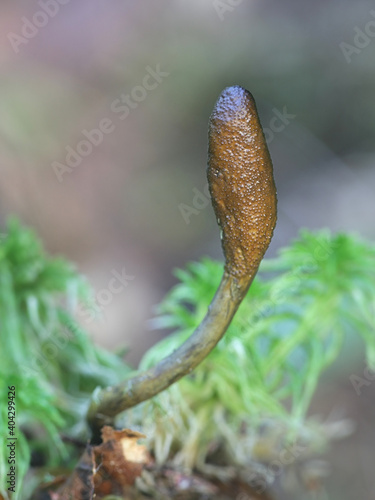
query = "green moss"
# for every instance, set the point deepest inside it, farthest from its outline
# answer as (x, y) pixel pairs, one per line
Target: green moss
(264, 372)
(244, 403)
(44, 352)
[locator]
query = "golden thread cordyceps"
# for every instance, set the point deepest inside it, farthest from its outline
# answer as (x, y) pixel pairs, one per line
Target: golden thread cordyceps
(244, 199)
(241, 181)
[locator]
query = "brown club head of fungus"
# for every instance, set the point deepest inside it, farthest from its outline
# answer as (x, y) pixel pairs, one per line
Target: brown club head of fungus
(241, 181)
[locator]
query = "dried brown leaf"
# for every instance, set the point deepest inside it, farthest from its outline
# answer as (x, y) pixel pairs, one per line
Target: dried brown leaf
(119, 461)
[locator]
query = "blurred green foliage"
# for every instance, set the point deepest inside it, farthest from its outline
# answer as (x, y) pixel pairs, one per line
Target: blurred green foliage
(289, 328)
(44, 352)
(244, 403)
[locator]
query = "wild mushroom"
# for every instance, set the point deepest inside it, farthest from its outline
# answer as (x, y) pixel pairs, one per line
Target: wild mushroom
(243, 193)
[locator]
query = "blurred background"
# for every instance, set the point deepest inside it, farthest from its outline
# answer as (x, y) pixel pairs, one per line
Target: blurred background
(103, 142)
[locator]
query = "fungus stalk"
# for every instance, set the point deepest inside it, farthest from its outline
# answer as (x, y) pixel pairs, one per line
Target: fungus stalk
(243, 194)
